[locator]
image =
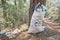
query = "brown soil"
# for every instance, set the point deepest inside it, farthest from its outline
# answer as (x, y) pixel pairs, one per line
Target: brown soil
(52, 32)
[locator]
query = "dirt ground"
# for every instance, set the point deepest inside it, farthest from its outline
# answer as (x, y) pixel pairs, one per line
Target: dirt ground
(52, 32)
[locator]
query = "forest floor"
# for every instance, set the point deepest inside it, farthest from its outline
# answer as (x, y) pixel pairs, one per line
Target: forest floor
(52, 32)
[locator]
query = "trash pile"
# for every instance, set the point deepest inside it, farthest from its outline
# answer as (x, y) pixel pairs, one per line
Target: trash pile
(10, 34)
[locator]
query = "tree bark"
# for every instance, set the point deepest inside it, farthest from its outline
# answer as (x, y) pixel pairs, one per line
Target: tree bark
(15, 2)
(32, 6)
(4, 9)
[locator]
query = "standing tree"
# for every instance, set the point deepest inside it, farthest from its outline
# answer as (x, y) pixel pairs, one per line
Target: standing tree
(32, 6)
(4, 11)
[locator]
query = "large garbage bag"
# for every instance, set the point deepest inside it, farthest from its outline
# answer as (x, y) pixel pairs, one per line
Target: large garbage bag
(37, 20)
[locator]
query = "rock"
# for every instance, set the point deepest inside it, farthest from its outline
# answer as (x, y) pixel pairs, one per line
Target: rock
(8, 34)
(51, 38)
(2, 31)
(24, 27)
(16, 31)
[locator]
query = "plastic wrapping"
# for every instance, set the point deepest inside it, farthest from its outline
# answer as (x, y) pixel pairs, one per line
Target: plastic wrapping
(37, 20)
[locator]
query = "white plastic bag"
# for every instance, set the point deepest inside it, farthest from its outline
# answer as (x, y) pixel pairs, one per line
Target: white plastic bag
(38, 16)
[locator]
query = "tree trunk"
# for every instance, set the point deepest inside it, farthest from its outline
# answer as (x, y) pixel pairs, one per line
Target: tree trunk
(15, 2)
(4, 12)
(32, 6)
(4, 9)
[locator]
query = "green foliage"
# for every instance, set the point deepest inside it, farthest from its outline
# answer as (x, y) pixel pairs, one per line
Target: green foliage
(53, 9)
(16, 13)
